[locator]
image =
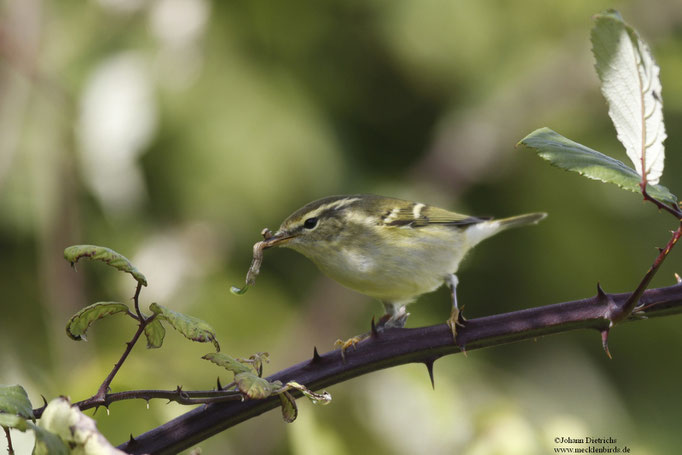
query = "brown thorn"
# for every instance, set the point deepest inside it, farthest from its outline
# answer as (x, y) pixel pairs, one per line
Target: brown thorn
(605, 342)
(316, 356)
(600, 292)
(44, 400)
(429, 368)
(374, 331)
(218, 384)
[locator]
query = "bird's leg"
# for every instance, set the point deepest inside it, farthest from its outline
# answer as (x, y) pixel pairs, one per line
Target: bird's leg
(456, 318)
(395, 317)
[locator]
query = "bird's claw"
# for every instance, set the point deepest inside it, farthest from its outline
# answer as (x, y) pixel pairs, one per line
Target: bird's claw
(350, 342)
(455, 320)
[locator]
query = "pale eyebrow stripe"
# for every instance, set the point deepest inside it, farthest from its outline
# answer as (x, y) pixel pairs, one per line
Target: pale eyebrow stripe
(336, 205)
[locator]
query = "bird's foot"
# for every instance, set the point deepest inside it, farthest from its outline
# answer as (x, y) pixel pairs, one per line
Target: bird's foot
(455, 320)
(350, 342)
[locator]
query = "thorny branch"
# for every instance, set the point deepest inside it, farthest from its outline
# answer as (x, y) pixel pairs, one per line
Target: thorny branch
(401, 346)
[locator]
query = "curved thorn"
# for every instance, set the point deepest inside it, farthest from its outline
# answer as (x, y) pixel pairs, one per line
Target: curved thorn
(605, 342)
(44, 400)
(218, 384)
(429, 368)
(374, 331)
(601, 295)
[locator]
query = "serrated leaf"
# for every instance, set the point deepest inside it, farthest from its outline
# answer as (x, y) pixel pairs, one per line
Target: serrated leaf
(289, 407)
(227, 362)
(632, 88)
(316, 398)
(190, 327)
(14, 400)
(566, 154)
(255, 387)
(13, 421)
(81, 321)
(155, 333)
(76, 429)
(110, 257)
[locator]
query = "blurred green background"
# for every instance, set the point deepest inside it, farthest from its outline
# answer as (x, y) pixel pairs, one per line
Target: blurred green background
(174, 130)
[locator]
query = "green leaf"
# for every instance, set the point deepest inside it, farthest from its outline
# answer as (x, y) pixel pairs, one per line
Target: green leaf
(106, 255)
(155, 332)
(255, 387)
(289, 407)
(316, 398)
(48, 443)
(190, 327)
(81, 321)
(632, 88)
(13, 421)
(14, 400)
(566, 154)
(227, 362)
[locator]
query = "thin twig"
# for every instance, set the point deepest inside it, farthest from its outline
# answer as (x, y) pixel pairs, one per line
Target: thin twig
(620, 313)
(102, 391)
(10, 449)
(191, 397)
(633, 300)
(136, 299)
(672, 209)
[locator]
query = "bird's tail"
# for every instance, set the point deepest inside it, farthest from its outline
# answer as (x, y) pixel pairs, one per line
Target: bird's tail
(482, 231)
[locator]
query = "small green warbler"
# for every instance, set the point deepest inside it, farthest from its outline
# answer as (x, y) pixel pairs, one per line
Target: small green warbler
(390, 249)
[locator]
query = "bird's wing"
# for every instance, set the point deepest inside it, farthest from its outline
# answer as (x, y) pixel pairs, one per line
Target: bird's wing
(418, 215)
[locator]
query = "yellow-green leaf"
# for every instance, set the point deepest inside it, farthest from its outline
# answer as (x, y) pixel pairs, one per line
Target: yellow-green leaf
(255, 387)
(190, 327)
(155, 332)
(289, 407)
(316, 398)
(106, 255)
(227, 362)
(13, 421)
(48, 443)
(81, 321)
(74, 428)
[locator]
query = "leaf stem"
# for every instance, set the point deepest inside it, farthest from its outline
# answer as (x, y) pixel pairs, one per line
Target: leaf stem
(672, 209)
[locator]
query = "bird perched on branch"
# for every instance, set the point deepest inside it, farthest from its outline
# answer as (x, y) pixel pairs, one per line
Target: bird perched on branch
(390, 249)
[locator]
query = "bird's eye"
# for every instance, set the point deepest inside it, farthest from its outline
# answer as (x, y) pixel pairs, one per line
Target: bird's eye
(310, 223)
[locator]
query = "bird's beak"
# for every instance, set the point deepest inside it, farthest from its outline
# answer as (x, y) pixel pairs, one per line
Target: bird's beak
(276, 239)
